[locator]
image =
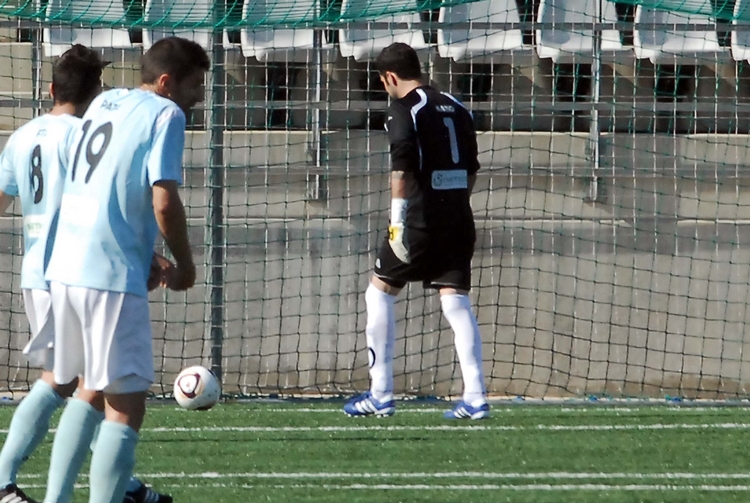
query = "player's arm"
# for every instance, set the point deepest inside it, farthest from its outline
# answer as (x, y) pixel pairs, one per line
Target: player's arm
(404, 163)
(8, 185)
(403, 184)
(172, 221)
(165, 171)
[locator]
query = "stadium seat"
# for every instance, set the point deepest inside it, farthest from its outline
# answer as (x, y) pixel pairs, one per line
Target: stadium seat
(364, 44)
(175, 12)
(58, 39)
(281, 45)
(661, 43)
(565, 44)
(741, 37)
(478, 44)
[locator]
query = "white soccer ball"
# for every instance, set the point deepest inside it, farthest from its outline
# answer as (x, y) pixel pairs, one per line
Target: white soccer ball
(197, 388)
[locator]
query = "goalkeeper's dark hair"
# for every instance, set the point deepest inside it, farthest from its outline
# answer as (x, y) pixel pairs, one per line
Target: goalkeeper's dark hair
(77, 75)
(175, 56)
(400, 59)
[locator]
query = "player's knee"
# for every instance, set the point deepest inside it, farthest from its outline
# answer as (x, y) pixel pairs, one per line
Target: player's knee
(63, 390)
(455, 303)
(126, 400)
(389, 287)
(375, 296)
(93, 398)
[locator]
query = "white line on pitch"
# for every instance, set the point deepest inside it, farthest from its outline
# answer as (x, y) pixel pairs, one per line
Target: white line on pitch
(458, 487)
(518, 409)
(438, 475)
(455, 475)
(514, 487)
(539, 427)
(445, 428)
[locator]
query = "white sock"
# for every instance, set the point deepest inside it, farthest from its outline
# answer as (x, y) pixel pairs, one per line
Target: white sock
(457, 310)
(381, 338)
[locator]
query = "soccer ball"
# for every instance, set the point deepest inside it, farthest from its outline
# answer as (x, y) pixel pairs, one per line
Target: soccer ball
(197, 388)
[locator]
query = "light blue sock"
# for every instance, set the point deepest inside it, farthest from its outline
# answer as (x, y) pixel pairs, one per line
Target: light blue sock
(133, 484)
(74, 433)
(93, 439)
(112, 463)
(28, 427)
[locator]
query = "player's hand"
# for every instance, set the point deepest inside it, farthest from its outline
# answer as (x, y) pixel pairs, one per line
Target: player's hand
(156, 278)
(397, 240)
(180, 277)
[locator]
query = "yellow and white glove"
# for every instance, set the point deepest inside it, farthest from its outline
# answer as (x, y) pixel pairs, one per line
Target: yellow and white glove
(397, 230)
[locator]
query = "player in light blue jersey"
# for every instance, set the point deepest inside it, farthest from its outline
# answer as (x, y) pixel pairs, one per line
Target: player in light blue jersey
(33, 165)
(120, 191)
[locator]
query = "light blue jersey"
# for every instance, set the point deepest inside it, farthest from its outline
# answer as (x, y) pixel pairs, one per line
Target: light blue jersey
(127, 141)
(32, 167)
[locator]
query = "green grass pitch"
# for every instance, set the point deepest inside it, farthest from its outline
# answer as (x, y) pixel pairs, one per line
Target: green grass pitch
(312, 452)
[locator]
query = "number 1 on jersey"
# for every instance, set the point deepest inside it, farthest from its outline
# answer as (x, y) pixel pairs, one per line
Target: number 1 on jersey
(452, 138)
(93, 158)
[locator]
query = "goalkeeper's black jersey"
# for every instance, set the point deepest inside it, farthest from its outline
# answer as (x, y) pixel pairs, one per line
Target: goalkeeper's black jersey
(432, 136)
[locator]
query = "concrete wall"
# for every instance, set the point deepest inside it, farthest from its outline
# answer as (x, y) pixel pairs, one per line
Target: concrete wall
(640, 290)
(641, 293)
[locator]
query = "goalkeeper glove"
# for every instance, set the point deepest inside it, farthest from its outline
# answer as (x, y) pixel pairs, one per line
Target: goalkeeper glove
(396, 238)
(397, 230)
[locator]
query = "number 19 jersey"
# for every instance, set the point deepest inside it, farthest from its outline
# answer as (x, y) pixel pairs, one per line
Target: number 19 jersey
(127, 141)
(32, 168)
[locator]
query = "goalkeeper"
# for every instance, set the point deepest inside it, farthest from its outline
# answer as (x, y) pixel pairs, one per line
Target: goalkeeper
(431, 236)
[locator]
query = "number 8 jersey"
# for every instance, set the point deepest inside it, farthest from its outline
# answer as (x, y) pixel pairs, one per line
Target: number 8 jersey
(127, 141)
(32, 168)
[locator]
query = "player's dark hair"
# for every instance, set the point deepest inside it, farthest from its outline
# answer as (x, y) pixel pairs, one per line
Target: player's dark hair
(177, 57)
(76, 75)
(400, 59)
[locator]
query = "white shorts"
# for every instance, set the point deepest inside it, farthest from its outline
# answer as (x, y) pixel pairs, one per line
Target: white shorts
(104, 337)
(40, 350)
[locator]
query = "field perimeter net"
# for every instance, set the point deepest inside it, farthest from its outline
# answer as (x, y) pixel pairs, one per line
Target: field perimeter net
(613, 252)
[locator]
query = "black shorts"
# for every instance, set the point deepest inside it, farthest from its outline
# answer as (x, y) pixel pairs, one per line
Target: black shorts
(437, 261)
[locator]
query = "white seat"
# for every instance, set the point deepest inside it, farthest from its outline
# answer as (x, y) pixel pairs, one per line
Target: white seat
(285, 44)
(663, 43)
(364, 44)
(565, 43)
(172, 13)
(58, 39)
(741, 37)
(475, 44)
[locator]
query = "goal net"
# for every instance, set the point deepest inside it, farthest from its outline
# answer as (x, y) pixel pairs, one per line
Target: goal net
(612, 205)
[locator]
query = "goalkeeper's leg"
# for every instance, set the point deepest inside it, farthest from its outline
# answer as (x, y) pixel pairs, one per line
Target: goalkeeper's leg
(457, 310)
(381, 333)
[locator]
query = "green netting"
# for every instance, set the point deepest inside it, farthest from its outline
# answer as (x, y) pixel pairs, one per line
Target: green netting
(205, 14)
(613, 204)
